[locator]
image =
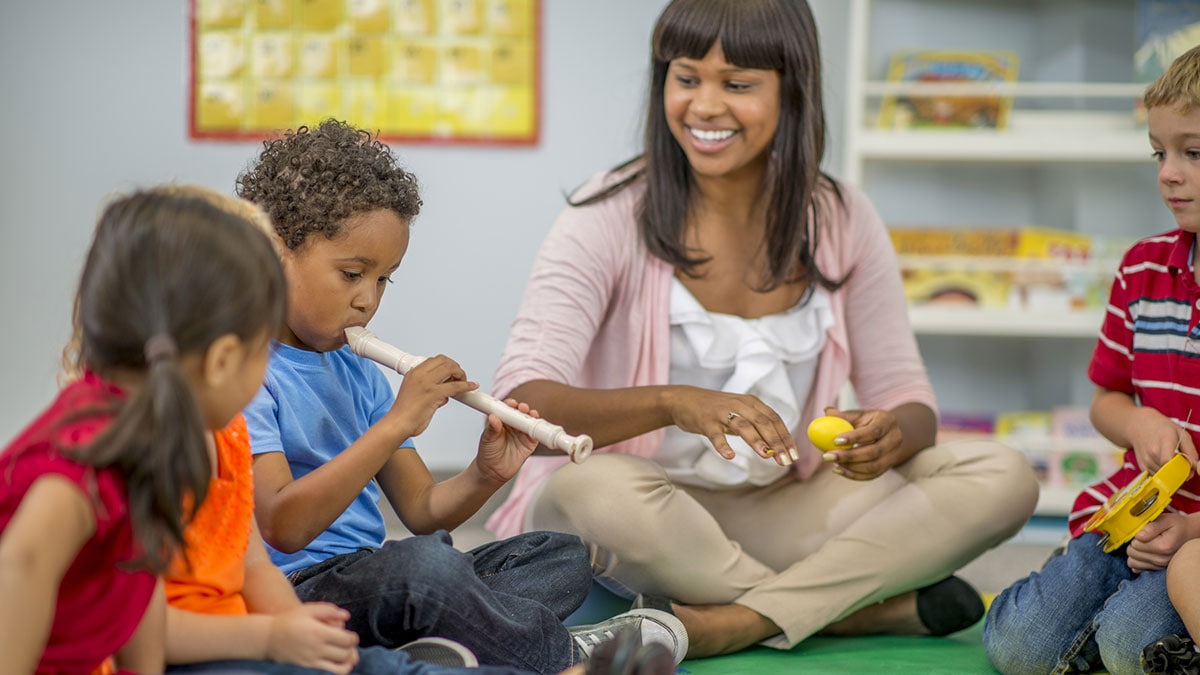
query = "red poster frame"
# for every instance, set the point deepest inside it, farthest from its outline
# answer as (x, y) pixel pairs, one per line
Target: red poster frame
(533, 139)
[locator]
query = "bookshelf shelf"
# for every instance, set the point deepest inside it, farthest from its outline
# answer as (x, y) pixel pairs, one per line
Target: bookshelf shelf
(1061, 137)
(1055, 501)
(967, 321)
(1098, 90)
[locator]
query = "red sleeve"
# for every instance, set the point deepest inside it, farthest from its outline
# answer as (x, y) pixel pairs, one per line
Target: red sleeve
(1111, 366)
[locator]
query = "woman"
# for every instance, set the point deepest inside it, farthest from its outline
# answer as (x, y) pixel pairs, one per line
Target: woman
(693, 310)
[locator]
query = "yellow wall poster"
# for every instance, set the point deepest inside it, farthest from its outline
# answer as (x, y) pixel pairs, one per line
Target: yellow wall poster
(443, 71)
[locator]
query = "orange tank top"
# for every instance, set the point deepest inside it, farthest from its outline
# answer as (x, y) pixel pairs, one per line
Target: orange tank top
(217, 537)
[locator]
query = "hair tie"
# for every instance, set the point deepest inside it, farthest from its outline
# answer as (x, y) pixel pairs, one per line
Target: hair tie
(159, 347)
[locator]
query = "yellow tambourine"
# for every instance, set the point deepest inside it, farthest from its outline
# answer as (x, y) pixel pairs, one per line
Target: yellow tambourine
(1138, 503)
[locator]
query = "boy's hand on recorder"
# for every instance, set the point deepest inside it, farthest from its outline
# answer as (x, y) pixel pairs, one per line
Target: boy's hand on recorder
(313, 635)
(502, 449)
(427, 387)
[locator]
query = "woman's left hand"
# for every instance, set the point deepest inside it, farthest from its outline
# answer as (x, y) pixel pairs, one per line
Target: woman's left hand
(502, 449)
(872, 447)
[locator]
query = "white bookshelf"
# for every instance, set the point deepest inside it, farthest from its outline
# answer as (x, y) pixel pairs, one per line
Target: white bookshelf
(1055, 501)
(1032, 137)
(971, 321)
(1071, 157)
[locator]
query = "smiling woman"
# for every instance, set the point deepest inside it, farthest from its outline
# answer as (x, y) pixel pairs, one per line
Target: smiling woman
(722, 116)
(692, 310)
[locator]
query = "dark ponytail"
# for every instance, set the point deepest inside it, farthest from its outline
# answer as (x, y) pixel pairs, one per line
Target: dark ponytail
(169, 271)
(164, 487)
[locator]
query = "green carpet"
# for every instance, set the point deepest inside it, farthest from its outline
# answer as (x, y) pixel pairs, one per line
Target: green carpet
(959, 654)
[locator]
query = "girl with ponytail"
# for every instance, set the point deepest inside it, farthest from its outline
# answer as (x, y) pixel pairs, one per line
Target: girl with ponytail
(176, 305)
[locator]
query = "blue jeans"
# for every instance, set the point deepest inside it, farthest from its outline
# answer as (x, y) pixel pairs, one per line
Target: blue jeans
(371, 661)
(1086, 610)
(505, 600)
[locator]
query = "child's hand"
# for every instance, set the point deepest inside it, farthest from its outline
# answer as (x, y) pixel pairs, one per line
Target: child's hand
(1152, 547)
(313, 635)
(1155, 439)
(427, 387)
(502, 449)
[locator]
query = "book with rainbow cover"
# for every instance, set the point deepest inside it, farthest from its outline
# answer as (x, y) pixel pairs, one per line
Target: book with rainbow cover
(986, 111)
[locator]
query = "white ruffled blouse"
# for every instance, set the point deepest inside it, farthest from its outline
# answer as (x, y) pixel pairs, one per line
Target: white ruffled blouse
(772, 357)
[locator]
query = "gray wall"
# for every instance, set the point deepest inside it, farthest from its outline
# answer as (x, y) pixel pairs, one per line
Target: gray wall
(94, 101)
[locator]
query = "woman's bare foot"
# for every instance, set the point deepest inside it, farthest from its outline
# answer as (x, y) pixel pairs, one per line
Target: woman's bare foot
(895, 616)
(949, 605)
(722, 629)
(941, 608)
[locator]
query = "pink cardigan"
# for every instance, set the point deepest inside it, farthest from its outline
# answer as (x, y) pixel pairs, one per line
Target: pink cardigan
(595, 314)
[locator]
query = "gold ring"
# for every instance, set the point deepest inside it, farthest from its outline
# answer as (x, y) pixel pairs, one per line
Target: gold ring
(768, 451)
(731, 415)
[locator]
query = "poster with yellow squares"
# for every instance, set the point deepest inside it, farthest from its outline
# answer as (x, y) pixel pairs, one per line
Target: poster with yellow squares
(455, 71)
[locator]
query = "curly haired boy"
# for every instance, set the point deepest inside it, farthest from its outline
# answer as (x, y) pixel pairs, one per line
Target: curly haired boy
(330, 437)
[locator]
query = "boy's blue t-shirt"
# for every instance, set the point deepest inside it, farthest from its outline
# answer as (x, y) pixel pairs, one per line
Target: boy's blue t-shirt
(313, 405)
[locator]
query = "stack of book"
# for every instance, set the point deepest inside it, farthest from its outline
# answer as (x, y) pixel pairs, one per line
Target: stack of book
(1061, 444)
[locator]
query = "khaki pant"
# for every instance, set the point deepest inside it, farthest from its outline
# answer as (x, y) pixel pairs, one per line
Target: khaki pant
(802, 554)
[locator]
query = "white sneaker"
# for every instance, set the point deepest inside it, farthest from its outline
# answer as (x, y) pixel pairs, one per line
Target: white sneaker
(440, 652)
(654, 625)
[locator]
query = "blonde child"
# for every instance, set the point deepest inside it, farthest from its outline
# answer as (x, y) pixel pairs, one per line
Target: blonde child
(176, 306)
(1174, 118)
(1087, 609)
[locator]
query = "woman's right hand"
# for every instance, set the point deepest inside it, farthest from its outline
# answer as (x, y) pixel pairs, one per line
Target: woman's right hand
(313, 635)
(715, 414)
(425, 388)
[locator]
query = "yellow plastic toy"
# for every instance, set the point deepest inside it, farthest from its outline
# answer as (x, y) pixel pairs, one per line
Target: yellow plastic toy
(823, 430)
(1138, 503)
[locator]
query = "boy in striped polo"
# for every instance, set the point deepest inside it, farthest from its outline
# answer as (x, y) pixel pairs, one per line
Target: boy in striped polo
(1087, 609)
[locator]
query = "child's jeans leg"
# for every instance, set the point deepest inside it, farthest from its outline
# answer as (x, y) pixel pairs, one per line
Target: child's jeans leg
(550, 567)
(371, 661)
(422, 586)
(1082, 604)
(1139, 613)
(380, 661)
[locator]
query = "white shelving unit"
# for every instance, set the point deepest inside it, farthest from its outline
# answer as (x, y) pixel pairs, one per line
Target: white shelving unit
(1031, 137)
(1055, 501)
(1071, 157)
(1080, 135)
(934, 320)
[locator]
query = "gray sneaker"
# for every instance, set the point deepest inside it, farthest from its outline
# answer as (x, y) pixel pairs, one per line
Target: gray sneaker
(626, 655)
(440, 652)
(655, 626)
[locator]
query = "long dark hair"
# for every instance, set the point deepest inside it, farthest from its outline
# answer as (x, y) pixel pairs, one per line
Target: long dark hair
(778, 35)
(169, 269)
